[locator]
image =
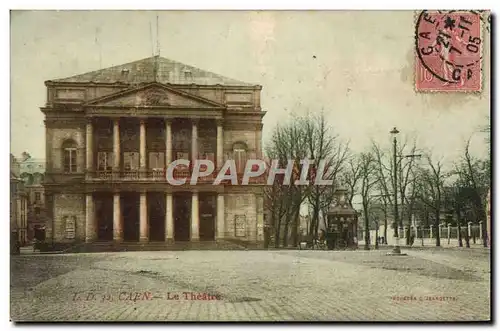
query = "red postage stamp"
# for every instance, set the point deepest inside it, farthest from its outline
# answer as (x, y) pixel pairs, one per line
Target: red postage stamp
(448, 51)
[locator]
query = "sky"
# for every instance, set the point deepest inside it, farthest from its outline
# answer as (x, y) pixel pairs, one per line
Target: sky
(356, 67)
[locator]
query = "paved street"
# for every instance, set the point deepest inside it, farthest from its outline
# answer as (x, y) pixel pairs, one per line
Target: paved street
(426, 285)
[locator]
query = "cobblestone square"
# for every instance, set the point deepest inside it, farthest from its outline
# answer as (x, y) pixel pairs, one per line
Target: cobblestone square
(426, 285)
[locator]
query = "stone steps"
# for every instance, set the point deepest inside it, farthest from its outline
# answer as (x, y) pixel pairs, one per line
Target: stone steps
(154, 246)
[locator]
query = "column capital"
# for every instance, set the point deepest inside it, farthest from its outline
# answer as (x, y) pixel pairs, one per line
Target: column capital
(168, 120)
(142, 120)
(115, 120)
(194, 120)
(219, 121)
(89, 120)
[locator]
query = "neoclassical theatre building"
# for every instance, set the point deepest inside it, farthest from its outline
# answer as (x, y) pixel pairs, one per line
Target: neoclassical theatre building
(110, 135)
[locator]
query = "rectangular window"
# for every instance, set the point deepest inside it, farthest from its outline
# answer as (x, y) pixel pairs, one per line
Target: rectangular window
(38, 196)
(104, 161)
(70, 160)
(156, 160)
(130, 161)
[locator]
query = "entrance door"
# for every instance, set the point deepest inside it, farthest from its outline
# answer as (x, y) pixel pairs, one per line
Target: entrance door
(156, 215)
(104, 213)
(207, 212)
(182, 216)
(130, 215)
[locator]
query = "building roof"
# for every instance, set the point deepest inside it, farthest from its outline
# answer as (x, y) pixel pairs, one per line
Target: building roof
(144, 71)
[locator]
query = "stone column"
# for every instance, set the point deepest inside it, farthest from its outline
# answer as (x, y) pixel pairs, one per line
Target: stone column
(116, 145)
(89, 144)
(221, 224)
(430, 235)
(194, 141)
(142, 147)
(220, 144)
(117, 218)
(469, 229)
(90, 229)
(169, 219)
(143, 219)
(481, 230)
(195, 218)
(168, 141)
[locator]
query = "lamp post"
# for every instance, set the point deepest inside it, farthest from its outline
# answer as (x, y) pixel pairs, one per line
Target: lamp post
(397, 249)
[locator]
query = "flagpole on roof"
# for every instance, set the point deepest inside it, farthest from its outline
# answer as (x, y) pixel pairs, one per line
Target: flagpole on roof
(98, 43)
(151, 39)
(157, 49)
(157, 36)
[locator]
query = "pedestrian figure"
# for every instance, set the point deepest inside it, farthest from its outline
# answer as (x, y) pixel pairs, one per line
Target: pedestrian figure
(412, 239)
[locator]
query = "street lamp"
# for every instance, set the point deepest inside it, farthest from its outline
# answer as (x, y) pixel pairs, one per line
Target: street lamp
(397, 250)
(394, 132)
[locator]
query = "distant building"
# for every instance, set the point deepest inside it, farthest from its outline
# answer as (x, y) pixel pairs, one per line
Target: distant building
(305, 221)
(18, 204)
(32, 173)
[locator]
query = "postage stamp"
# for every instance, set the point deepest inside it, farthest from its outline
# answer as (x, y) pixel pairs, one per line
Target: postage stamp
(448, 51)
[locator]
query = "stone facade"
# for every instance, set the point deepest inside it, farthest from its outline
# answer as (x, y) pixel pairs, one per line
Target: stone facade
(110, 135)
(18, 204)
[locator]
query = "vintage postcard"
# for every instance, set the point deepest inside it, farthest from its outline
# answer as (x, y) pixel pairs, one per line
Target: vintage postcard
(250, 166)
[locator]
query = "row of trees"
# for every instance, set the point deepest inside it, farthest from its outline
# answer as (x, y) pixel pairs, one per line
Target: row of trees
(426, 187)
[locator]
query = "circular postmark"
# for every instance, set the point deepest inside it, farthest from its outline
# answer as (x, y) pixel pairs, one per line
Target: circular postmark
(448, 45)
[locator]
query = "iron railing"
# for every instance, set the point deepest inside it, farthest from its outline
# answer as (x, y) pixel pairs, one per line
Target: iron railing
(160, 175)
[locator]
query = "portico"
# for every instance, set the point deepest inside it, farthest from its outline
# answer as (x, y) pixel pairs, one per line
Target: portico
(154, 216)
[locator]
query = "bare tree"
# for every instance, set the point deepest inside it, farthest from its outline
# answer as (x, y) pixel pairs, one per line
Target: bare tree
(351, 177)
(385, 175)
(288, 143)
(368, 179)
(431, 188)
(406, 181)
(323, 145)
(474, 177)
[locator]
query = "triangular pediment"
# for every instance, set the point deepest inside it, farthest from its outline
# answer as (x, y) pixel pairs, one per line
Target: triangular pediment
(154, 95)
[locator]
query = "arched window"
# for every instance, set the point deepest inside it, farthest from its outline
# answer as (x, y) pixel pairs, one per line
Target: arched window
(69, 156)
(240, 156)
